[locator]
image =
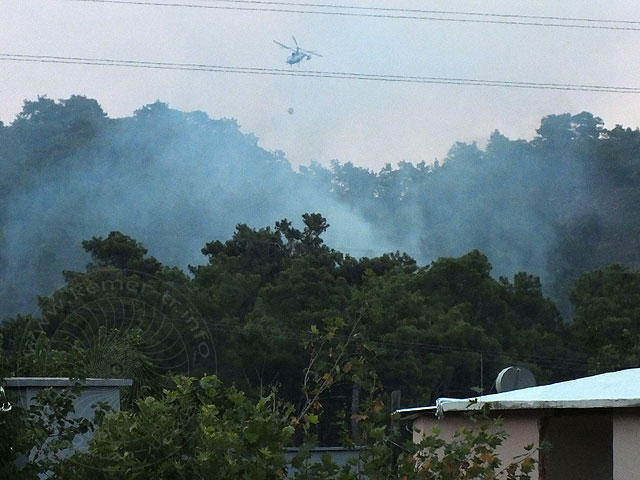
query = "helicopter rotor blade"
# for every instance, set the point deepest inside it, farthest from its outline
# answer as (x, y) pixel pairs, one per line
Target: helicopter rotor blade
(296, 42)
(311, 52)
(284, 46)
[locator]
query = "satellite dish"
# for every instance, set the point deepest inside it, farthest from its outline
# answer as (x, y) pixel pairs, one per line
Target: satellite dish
(514, 378)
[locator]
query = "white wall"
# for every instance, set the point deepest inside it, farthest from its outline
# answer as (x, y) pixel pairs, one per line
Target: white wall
(626, 445)
(522, 429)
(94, 390)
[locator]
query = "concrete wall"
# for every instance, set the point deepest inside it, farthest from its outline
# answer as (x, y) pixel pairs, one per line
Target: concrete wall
(339, 455)
(587, 444)
(522, 428)
(95, 390)
(626, 444)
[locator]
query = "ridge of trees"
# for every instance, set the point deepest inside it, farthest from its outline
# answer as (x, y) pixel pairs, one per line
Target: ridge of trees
(298, 329)
(432, 330)
(556, 206)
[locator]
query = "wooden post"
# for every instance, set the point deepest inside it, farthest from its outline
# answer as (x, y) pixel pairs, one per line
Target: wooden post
(395, 405)
(395, 400)
(481, 375)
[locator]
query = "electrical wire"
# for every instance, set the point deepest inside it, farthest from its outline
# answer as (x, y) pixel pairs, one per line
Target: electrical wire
(401, 347)
(281, 332)
(409, 14)
(413, 10)
(316, 73)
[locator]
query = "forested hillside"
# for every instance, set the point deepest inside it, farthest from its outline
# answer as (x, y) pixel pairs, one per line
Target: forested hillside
(174, 180)
(439, 330)
(554, 207)
(268, 298)
(171, 243)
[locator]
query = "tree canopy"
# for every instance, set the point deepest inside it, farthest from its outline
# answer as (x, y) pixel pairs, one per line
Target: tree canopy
(555, 206)
(520, 253)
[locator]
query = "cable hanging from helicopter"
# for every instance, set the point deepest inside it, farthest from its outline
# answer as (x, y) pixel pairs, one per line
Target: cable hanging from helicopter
(297, 54)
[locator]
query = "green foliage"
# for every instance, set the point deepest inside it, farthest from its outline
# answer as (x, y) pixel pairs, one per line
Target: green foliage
(430, 327)
(36, 438)
(557, 205)
(607, 323)
(281, 304)
(263, 292)
(387, 454)
(52, 129)
(470, 455)
(261, 252)
(146, 304)
(289, 311)
(37, 355)
(197, 429)
(119, 251)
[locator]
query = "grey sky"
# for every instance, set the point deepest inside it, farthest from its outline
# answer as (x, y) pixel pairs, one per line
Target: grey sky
(364, 122)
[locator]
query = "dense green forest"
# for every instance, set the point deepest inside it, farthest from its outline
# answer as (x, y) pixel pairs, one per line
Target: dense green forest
(555, 207)
(249, 313)
(503, 238)
(169, 243)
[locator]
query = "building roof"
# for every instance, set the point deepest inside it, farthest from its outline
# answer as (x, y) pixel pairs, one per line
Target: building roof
(19, 382)
(607, 390)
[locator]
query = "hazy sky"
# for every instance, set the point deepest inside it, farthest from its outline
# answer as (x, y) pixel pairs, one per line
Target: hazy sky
(367, 123)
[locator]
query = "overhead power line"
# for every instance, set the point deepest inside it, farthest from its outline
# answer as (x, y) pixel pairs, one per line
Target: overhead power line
(414, 10)
(391, 13)
(315, 73)
(402, 347)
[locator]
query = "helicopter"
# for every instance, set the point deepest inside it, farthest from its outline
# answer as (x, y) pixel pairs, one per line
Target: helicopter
(297, 54)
